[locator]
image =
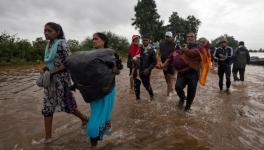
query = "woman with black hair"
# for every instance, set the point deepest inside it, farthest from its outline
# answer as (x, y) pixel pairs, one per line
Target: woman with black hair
(101, 109)
(57, 98)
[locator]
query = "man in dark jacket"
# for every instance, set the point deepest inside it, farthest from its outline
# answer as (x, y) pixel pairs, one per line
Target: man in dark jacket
(241, 59)
(223, 55)
(147, 63)
(190, 75)
(165, 49)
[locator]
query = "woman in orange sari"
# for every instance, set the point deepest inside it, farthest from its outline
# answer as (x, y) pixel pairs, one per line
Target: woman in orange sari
(205, 59)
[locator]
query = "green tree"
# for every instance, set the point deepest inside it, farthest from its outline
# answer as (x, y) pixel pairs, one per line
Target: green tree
(7, 46)
(147, 20)
(180, 26)
(192, 24)
(231, 41)
(23, 51)
(73, 45)
(39, 46)
(87, 44)
(118, 43)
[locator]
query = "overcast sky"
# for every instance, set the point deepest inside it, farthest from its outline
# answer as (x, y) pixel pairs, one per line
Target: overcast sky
(244, 19)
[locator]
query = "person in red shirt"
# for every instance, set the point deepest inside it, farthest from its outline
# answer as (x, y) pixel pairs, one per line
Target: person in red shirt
(134, 53)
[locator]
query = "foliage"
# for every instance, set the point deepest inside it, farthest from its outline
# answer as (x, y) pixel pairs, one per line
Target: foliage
(147, 20)
(180, 26)
(231, 41)
(14, 50)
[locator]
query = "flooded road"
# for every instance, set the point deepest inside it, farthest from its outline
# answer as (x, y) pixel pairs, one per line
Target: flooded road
(219, 121)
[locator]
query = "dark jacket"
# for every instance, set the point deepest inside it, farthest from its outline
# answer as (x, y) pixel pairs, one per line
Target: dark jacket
(228, 55)
(241, 57)
(147, 59)
(166, 48)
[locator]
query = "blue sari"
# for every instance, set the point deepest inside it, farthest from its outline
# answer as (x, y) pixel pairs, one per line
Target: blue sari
(99, 122)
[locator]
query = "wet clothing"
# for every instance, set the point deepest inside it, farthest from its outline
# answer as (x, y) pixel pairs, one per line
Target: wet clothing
(147, 62)
(241, 72)
(63, 99)
(224, 69)
(189, 78)
(129, 64)
(176, 60)
(145, 79)
(224, 66)
(99, 122)
(147, 59)
(189, 75)
(166, 48)
(129, 61)
(205, 64)
(241, 59)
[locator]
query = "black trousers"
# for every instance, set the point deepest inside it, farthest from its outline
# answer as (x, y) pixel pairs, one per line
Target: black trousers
(189, 78)
(224, 69)
(146, 83)
(241, 73)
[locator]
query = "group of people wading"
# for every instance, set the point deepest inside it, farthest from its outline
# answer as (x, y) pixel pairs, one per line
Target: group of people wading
(191, 62)
(188, 62)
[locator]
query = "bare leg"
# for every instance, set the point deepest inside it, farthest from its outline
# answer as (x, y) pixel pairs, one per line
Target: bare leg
(78, 114)
(169, 84)
(48, 127)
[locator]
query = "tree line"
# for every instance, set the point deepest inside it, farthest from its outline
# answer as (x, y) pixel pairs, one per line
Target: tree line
(148, 22)
(14, 50)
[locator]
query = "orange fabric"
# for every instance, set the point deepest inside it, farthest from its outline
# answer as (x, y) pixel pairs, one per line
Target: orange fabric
(205, 64)
(158, 64)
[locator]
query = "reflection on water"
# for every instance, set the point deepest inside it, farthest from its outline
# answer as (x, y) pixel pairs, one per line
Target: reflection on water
(218, 121)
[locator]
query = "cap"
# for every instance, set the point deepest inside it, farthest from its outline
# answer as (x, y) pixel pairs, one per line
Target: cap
(241, 43)
(134, 37)
(168, 33)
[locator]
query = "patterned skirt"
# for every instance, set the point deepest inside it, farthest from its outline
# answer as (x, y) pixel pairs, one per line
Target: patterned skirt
(61, 100)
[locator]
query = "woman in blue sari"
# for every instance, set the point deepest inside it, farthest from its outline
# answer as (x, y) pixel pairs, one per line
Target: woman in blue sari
(101, 109)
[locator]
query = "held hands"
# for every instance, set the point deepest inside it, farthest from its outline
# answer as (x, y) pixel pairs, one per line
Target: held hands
(146, 72)
(222, 57)
(163, 66)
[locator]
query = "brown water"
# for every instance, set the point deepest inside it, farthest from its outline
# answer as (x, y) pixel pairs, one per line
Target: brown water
(219, 121)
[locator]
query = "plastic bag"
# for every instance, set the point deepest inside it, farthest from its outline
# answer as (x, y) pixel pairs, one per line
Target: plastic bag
(92, 73)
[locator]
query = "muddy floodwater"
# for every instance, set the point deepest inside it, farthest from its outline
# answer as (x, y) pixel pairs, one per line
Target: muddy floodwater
(219, 121)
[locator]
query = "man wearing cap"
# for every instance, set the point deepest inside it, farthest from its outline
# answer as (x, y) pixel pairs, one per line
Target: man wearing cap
(147, 63)
(241, 59)
(165, 49)
(223, 55)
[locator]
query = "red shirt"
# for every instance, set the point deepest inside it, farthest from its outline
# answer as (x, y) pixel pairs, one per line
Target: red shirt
(134, 50)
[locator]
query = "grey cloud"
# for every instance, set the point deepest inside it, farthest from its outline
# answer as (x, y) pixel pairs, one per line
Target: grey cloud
(81, 18)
